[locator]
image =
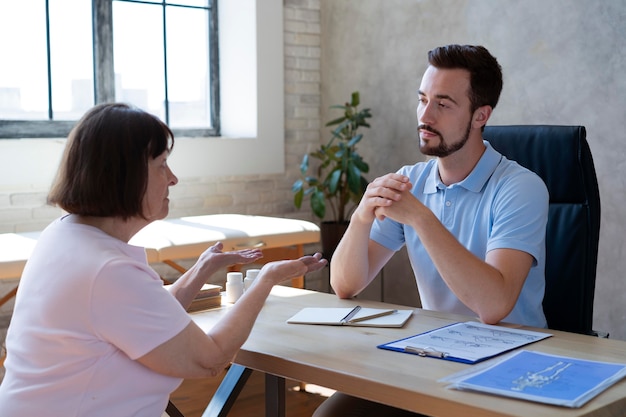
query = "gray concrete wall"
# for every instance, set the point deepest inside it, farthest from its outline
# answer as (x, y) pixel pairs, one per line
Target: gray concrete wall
(563, 63)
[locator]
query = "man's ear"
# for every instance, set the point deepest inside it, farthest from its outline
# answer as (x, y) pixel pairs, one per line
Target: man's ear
(481, 115)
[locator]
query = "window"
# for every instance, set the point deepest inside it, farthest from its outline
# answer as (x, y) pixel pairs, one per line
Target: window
(252, 112)
(159, 55)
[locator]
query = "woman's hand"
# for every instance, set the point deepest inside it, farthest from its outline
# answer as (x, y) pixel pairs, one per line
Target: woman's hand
(219, 259)
(211, 261)
(279, 271)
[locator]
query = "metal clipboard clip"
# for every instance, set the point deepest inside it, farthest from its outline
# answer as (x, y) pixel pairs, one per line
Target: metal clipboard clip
(425, 351)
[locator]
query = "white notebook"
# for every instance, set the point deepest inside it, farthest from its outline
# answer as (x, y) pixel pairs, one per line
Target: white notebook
(338, 316)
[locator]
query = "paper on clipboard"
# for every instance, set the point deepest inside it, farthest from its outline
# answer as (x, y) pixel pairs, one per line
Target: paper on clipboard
(468, 342)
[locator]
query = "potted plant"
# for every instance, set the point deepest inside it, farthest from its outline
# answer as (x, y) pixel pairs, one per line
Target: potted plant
(337, 182)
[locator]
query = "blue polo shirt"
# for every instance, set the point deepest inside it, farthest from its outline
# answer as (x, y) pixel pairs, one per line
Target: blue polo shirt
(500, 204)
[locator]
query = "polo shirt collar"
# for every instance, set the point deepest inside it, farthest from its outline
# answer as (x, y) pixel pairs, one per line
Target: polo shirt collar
(475, 181)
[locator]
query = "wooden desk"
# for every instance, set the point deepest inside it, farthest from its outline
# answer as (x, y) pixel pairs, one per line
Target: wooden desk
(346, 359)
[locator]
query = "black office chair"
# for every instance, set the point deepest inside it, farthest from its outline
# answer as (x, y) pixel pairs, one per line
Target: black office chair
(560, 155)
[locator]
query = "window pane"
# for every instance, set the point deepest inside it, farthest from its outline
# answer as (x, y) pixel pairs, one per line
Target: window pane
(23, 74)
(138, 56)
(71, 57)
(188, 67)
(196, 3)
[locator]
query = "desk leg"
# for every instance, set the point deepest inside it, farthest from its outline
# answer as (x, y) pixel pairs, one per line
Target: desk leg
(8, 296)
(274, 396)
(227, 392)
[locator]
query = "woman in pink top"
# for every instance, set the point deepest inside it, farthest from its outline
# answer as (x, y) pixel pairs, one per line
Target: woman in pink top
(94, 332)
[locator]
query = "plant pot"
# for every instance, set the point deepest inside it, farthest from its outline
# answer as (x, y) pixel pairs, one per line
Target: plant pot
(331, 233)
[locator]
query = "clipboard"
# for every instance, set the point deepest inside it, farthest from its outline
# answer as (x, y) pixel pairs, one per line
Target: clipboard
(467, 342)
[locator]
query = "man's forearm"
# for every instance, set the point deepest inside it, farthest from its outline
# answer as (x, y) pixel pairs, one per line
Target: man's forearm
(349, 267)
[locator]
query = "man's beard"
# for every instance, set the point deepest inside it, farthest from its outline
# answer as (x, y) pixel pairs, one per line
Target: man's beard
(444, 148)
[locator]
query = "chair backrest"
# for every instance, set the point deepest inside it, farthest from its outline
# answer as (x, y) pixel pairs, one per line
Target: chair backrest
(560, 155)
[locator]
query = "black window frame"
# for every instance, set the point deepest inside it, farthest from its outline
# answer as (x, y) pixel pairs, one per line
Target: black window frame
(104, 78)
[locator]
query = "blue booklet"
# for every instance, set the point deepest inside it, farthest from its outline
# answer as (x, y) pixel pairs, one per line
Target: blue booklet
(541, 377)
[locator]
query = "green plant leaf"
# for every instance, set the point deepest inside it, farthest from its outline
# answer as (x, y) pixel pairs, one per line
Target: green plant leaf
(340, 150)
(355, 140)
(318, 155)
(327, 161)
(318, 204)
(304, 166)
(364, 184)
(358, 161)
(336, 121)
(333, 181)
(297, 186)
(298, 197)
(339, 130)
(354, 178)
(356, 99)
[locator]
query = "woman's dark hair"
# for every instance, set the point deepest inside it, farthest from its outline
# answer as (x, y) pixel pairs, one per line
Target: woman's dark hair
(485, 72)
(104, 169)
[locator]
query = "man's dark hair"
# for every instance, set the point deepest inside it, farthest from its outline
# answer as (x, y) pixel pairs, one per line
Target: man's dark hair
(104, 169)
(485, 72)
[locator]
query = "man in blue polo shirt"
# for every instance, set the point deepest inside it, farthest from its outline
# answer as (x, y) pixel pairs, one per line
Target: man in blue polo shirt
(473, 222)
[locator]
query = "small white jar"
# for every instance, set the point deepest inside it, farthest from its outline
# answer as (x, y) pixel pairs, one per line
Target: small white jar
(234, 286)
(251, 275)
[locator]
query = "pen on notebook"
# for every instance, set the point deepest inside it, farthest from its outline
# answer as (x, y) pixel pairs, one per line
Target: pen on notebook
(425, 351)
(372, 316)
(350, 314)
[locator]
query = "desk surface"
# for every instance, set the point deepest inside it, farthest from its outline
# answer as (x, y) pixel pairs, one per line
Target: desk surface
(346, 359)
